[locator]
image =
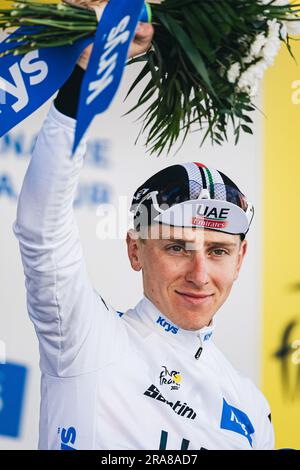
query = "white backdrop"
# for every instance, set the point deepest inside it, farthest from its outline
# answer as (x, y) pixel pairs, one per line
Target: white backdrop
(114, 166)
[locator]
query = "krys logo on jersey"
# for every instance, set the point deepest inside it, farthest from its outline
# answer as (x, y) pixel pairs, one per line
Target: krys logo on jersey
(168, 327)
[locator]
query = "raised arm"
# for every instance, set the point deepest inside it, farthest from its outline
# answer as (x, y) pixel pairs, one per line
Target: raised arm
(67, 313)
(61, 301)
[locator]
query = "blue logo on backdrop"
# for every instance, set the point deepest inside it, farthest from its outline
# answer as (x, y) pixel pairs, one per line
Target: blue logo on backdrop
(6, 187)
(12, 386)
(236, 420)
(89, 193)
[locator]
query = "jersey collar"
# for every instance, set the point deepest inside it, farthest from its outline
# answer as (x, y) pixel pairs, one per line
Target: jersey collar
(159, 322)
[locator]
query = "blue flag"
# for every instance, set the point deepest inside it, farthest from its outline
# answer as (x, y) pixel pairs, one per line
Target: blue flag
(12, 389)
(113, 37)
(27, 81)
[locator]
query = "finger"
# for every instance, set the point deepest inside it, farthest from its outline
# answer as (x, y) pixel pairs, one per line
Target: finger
(144, 30)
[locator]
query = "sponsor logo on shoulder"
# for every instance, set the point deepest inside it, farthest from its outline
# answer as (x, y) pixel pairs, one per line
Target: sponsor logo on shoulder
(68, 438)
(237, 421)
(168, 327)
(207, 336)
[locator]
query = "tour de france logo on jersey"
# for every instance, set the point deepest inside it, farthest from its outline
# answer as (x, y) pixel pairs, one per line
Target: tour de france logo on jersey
(173, 378)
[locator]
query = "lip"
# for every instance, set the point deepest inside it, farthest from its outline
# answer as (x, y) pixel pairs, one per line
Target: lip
(195, 299)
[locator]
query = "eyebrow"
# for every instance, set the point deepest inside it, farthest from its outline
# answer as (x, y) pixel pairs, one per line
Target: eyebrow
(181, 241)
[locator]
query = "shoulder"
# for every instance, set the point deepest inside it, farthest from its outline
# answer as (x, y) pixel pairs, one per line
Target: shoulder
(243, 386)
(249, 397)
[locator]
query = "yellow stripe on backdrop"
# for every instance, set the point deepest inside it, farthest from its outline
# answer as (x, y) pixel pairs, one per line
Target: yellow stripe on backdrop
(8, 4)
(5, 4)
(281, 324)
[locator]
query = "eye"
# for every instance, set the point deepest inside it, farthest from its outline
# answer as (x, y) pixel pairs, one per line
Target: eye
(219, 252)
(176, 248)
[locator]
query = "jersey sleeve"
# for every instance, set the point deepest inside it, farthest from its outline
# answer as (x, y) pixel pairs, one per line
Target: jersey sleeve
(264, 432)
(265, 436)
(76, 330)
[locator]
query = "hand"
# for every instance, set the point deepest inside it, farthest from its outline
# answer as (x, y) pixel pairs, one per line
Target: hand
(140, 44)
(142, 39)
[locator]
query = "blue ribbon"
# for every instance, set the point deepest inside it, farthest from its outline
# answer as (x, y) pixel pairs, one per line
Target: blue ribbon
(28, 81)
(102, 78)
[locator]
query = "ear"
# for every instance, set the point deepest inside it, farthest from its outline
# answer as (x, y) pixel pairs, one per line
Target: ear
(241, 256)
(133, 250)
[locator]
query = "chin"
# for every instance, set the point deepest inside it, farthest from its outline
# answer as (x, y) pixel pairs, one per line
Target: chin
(192, 323)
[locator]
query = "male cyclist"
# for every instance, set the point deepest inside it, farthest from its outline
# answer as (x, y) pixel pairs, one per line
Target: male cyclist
(150, 378)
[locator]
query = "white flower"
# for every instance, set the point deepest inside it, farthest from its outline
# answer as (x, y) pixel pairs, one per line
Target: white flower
(246, 81)
(233, 72)
(255, 48)
(250, 78)
(250, 88)
(254, 89)
(258, 69)
(272, 44)
(274, 28)
(292, 27)
(262, 51)
(257, 45)
(271, 51)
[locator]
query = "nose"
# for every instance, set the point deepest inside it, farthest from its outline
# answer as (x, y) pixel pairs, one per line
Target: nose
(197, 272)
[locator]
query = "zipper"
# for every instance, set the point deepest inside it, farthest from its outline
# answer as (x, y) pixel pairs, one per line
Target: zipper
(199, 351)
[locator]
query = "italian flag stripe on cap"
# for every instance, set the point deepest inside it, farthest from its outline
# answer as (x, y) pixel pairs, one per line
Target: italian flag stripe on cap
(211, 183)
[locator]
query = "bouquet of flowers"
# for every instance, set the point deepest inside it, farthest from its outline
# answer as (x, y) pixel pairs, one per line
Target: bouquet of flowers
(204, 66)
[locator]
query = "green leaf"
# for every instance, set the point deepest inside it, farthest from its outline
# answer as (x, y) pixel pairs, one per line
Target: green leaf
(188, 47)
(246, 129)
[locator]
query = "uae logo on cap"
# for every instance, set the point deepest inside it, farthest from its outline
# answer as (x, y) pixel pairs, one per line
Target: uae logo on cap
(211, 217)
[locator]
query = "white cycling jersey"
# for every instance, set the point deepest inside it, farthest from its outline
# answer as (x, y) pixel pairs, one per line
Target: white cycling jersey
(112, 380)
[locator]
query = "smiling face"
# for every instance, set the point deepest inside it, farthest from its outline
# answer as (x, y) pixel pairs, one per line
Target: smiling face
(187, 273)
